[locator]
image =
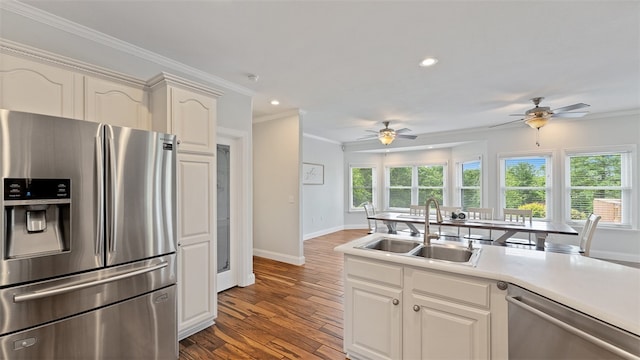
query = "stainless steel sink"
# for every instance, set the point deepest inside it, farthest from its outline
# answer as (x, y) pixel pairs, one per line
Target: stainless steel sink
(451, 253)
(392, 245)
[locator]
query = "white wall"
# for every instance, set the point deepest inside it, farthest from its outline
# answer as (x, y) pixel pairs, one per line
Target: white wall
(557, 136)
(276, 189)
(323, 205)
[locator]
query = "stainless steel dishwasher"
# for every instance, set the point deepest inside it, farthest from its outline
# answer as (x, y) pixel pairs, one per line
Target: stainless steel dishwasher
(540, 328)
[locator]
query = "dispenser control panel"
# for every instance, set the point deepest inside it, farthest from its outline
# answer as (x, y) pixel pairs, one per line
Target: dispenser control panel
(37, 189)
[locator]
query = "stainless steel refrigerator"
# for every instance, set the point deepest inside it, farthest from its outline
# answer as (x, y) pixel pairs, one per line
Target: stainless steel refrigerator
(88, 242)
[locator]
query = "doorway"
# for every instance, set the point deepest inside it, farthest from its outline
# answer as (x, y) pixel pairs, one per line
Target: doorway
(234, 257)
(225, 246)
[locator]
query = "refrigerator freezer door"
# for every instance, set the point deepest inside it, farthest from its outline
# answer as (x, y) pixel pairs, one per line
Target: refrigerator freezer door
(29, 305)
(140, 194)
(105, 333)
(34, 148)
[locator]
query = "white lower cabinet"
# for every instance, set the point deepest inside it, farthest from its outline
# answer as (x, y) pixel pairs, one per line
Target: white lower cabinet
(394, 311)
(446, 316)
(373, 310)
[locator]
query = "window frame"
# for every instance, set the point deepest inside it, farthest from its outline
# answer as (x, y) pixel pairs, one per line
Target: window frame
(374, 185)
(548, 188)
(628, 158)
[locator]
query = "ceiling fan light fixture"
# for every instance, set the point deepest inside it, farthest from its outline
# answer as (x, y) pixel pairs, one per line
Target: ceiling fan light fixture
(386, 137)
(537, 122)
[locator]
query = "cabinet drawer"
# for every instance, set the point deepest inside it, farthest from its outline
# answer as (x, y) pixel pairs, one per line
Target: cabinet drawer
(461, 290)
(376, 271)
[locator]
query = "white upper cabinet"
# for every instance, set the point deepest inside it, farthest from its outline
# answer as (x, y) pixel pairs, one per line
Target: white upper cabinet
(35, 87)
(116, 104)
(187, 110)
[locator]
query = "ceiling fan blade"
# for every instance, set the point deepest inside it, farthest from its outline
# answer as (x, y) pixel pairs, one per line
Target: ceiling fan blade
(401, 136)
(570, 114)
(521, 115)
(368, 137)
(402, 130)
(506, 123)
(373, 131)
(570, 107)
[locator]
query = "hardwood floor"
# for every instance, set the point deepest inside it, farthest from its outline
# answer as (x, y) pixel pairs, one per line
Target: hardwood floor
(291, 312)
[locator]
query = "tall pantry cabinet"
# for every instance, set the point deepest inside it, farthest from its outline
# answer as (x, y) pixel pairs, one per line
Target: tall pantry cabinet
(189, 111)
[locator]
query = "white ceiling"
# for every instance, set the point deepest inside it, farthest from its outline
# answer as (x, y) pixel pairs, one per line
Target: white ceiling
(349, 65)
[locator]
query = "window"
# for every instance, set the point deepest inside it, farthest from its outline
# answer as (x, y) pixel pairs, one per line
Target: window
(363, 186)
(415, 184)
(526, 184)
(430, 183)
(400, 180)
(469, 177)
(600, 183)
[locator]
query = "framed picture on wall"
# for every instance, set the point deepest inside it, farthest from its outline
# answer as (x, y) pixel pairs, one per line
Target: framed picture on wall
(312, 174)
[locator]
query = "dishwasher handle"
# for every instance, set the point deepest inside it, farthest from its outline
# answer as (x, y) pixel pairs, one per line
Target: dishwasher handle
(34, 295)
(515, 300)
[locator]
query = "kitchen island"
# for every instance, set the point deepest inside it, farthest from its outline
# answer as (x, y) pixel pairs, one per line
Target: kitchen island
(467, 303)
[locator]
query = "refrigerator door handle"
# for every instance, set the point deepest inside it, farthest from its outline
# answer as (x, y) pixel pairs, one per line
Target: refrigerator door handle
(100, 177)
(69, 288)
(112, 194)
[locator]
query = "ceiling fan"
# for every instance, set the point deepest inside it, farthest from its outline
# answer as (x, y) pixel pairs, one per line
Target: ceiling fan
(538, 116)
(387, 134)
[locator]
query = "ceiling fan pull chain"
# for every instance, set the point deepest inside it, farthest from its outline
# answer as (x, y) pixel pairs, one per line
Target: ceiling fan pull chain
(538, 137)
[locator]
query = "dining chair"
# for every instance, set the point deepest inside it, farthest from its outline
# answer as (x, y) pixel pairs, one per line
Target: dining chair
(417, 210)
(518, 216)
(479, 213)
(446, 212)
(585, 236)
(370, 210)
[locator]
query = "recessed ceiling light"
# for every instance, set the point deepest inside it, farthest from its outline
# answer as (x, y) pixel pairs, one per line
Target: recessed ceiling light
(275, 102)
(430, 61)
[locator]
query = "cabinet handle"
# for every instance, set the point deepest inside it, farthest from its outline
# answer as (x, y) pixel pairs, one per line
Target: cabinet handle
(416, 308)
(395, 301)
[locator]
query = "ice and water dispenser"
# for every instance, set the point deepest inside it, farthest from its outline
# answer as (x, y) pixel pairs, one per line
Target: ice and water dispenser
(37, 217)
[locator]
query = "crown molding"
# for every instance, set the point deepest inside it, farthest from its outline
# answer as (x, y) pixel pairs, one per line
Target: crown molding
(281, 115)
(59, 23)
(173, 80)
(28, 52)
(316, 137)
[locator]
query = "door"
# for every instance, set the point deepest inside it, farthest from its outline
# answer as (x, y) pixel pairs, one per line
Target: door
(63, 234)
(139, 194)
(106, 333)
(226, 248)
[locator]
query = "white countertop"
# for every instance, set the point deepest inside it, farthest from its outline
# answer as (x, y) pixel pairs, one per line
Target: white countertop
(604, 290)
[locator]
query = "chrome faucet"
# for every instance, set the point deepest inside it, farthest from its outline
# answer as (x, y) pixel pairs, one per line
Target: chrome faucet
(427, 233)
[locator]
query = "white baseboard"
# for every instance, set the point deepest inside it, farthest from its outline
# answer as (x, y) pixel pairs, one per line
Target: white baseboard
(355, 227)
(322, 232)
(294, 260)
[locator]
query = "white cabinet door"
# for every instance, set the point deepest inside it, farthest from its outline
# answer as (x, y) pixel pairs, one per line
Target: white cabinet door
(446, 316)
(116, 104)
(37, 88)
(373, 309)
(196, 260)
(193, 121)
(439, 329)
(373, 325)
